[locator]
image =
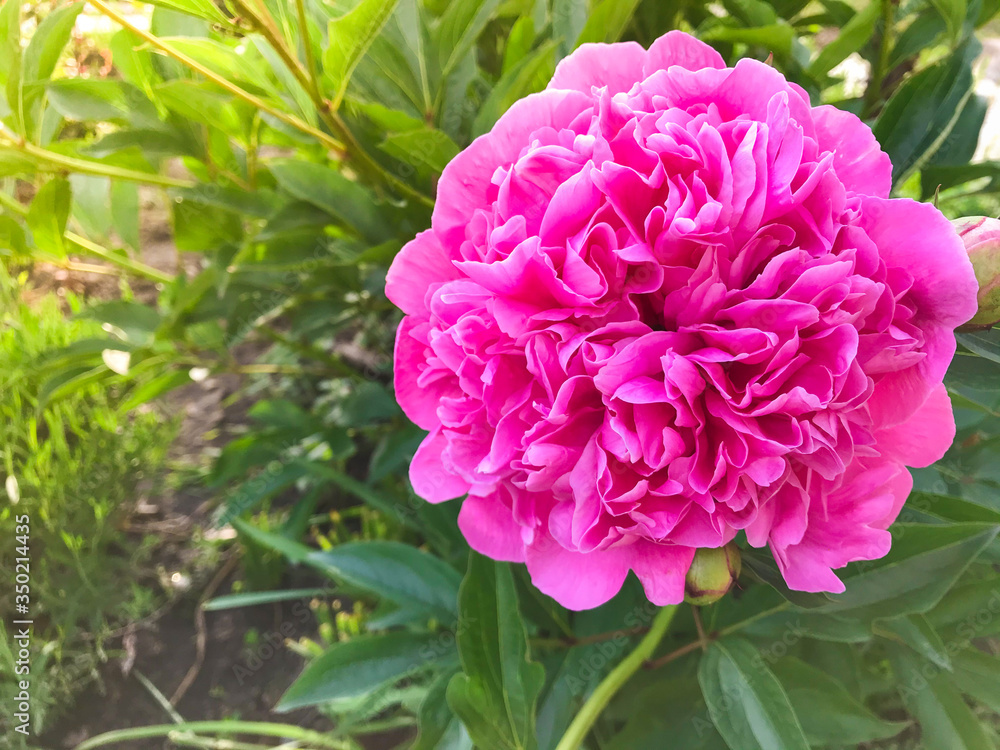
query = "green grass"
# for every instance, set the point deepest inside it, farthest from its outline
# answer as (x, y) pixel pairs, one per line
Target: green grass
(77, 464)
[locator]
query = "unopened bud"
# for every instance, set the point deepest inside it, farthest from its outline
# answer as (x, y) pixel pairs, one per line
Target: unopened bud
(981, 236)
(711, 574)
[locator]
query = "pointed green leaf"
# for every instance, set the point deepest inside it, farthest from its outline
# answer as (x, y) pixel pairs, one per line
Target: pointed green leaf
(496, 694)
(48, 214)
(946, 721)
(924, 562)
(978, 674)
(403, 574)
(745, 700)
(355, 667)
(828, 713)
(350, 36)
(462, 23)
(917, 633)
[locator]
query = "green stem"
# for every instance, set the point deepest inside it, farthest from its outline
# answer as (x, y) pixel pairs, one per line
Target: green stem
(123, 262)
(301, 125)
(84, 166)
(311, 68)
(133, 266)
(873, 93)
(611, 684)
(260, 728)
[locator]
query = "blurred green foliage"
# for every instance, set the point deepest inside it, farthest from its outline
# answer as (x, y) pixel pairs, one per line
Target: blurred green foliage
(73, 469)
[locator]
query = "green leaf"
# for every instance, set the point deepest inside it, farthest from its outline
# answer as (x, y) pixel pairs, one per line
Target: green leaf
(48, 41)
(422, 147)
(745, 700)
(777, 37)
(459, 28)
(358, 666)
(946, 721)
(569, 17)
(87, 100)
(10, 49)
(255, 598)
(531, 74)
(917, 633)
(48, 214)
(293, 551)
(329, 190)
(125, 212)
(439, 728)
(977, 674)
(953, 13)
(608, 21)
(398, 572)
(154, 388)
(669, 713)
(205, 9)
(350, 36)
(12, 239)
(202, 228)
(828, 713)
(496, 694)
(236, 64)
(924, 562)
(134, 321)
(918, 118)
(851, 38)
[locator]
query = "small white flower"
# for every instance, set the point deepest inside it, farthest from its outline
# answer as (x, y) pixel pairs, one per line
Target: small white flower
(198, 374)
(117, 361)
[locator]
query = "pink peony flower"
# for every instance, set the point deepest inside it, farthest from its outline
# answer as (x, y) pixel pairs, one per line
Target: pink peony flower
(663, 302)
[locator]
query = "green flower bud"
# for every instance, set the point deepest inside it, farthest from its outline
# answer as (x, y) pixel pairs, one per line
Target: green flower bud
(981, 236)
(711, 574)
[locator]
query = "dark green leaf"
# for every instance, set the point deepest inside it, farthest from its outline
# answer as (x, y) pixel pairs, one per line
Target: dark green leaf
(918, 118)
(745, 700)
(930, 695)
(350, 36)
(358, 666)
(851, 38)
(327, 189)
(923, 564)
(495, 696)
(977, 674)
(917, 633)
(440, 729)
(828, 713)
(398, 572)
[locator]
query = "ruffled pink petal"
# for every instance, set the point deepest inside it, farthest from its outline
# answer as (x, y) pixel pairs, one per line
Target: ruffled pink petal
(617, 66)
(925, 436)
(489, 527)
(577, 580)
(662, 569)
(429, 475)
(418, 403)
(857, 157)
(465, 182)
(421, 264)
(944, 284)
(678, 48)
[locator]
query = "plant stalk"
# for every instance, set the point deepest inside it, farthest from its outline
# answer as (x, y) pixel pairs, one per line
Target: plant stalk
(301, 125)
(84, 166)
(602, 695)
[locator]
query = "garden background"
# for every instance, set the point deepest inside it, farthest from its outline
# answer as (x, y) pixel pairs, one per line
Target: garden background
(200, 200)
